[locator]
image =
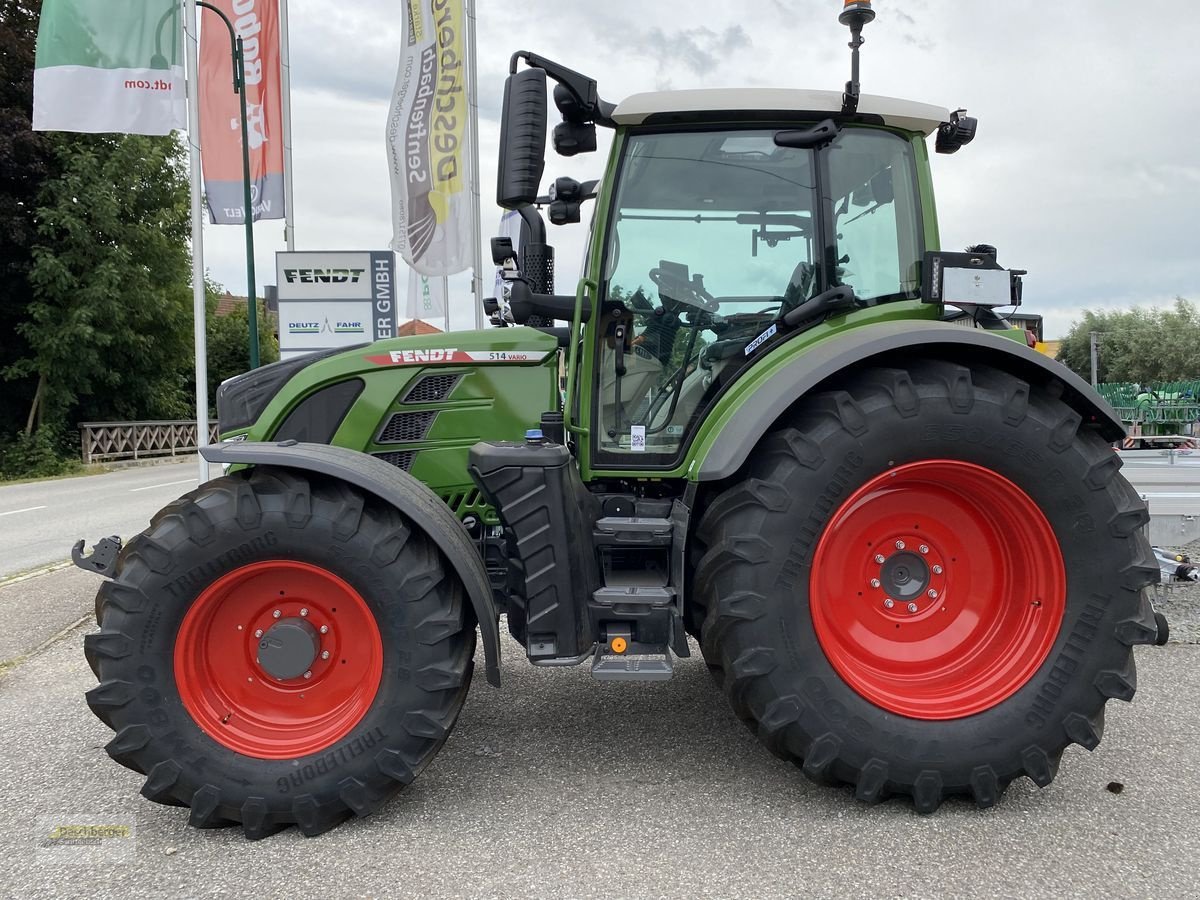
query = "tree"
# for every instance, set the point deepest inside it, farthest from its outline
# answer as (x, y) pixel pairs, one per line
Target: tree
(1137, 345)
(27, 159)
(108, 326)
(229, 343)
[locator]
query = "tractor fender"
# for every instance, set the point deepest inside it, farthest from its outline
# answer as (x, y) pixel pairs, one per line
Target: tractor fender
(918, 339)
(401, 490)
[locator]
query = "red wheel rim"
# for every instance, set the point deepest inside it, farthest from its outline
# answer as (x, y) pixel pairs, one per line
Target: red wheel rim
(230, 691)
(937, 589)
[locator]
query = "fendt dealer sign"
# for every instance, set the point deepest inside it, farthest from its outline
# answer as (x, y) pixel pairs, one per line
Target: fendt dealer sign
(334, 299)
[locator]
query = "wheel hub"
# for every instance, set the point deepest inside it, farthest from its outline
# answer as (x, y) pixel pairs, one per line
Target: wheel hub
(937, 589)
(278, 659)
(904, 575)
(288, 648)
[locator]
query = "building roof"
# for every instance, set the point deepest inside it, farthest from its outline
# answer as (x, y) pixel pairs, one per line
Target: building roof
(227, 303)
(417, 326)
(905, 114)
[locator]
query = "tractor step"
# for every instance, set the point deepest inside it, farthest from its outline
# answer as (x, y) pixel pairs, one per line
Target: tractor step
(632, 531)
(635, 665)
(621, 601)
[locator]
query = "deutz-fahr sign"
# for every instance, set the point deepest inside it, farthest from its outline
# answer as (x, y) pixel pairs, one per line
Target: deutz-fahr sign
(334, 299)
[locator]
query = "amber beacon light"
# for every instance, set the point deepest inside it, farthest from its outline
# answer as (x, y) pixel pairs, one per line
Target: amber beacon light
(857, 12)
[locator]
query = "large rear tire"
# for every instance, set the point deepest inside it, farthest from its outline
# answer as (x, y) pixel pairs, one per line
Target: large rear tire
(277, 649)
(928, 583)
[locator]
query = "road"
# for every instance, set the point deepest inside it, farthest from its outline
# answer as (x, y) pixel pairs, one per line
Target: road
(40, 520)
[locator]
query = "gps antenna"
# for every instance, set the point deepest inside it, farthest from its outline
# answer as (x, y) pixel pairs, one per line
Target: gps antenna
(855, 14)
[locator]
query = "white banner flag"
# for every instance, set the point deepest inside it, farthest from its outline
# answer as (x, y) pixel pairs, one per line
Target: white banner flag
(427, 135)
(426, 296)
(109, 67)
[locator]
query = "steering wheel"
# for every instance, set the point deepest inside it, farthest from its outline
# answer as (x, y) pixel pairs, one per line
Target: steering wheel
(691, 293)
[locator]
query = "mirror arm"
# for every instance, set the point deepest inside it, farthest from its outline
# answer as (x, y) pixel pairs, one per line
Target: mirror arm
(583, 88)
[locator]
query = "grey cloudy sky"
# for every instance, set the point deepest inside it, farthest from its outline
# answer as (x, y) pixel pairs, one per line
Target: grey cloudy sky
(1086, 169)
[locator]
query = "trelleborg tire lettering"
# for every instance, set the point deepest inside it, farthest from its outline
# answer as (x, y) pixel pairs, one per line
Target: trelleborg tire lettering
(265, 518)
(755, 580)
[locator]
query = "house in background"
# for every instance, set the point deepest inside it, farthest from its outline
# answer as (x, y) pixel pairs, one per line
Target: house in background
(227, 303)
(416, 326)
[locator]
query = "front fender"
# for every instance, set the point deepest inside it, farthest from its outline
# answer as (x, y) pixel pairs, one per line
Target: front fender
(405, 493)
(763, 398)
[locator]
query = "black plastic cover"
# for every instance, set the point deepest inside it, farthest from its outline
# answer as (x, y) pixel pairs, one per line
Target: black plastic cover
(317, 417)
(549, 515)
(522, 139)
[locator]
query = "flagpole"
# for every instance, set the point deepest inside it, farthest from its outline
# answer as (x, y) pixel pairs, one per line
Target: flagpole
(198, 310)
(446, 300)
(285, 65)
(476, 220)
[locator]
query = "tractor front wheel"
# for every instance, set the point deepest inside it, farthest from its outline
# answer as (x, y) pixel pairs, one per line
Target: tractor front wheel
(928, 583)
(279, 650)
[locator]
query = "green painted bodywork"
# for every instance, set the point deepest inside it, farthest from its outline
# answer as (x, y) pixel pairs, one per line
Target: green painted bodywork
(499, 401)
(493, 400)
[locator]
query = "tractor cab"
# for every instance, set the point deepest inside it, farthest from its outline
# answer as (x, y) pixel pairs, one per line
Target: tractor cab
(728, 222)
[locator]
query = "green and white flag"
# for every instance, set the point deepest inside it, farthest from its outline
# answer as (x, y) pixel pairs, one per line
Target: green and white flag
(109, 65)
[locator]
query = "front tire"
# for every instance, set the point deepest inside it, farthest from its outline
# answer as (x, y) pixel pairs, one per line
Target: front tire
(928, 583)
(277, 649)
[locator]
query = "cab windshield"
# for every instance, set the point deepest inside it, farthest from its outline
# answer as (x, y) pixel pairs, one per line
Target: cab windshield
(718, 234)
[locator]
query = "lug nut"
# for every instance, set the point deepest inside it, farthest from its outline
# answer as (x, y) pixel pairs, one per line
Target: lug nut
(889, 603)
(874, 582)
(308, 674)
(258, 632)
(324, 654)
(304, 612)
(932, 594)
(879, 558)
(324, 629)
(937, 570)
(899, 545)
(912, 607)
(924, 548)
(276, 614)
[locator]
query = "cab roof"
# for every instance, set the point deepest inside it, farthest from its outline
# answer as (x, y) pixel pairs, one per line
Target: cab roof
(759, 103)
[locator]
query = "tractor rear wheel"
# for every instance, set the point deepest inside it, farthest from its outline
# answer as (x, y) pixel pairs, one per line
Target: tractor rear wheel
(277, 649)
(928, 583)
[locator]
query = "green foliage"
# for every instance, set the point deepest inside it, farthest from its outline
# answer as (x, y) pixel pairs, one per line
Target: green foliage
(108, 326)
(229, 344)
(26, 161)
(1137, 345)
(37, 455)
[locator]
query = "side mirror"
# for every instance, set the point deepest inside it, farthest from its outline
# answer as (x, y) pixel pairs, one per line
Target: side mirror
(522, 139)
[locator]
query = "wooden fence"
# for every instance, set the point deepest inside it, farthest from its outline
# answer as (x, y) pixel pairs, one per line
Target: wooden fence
(138, 440)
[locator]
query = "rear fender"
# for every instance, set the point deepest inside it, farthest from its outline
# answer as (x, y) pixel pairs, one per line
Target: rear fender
(405, 493)
(766, 399)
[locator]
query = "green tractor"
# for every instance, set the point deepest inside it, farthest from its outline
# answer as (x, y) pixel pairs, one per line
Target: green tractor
(904, 548)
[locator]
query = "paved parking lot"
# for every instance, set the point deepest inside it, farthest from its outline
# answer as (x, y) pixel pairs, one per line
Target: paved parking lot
(559, 786)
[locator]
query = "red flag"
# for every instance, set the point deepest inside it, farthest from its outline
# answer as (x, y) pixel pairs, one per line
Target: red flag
(257, 23)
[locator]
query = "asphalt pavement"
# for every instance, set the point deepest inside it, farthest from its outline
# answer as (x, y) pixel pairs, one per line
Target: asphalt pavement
(556, 785)
(40, 520)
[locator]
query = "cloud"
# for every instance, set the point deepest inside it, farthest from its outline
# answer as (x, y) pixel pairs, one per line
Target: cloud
(1084, 171)
(699, 50)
